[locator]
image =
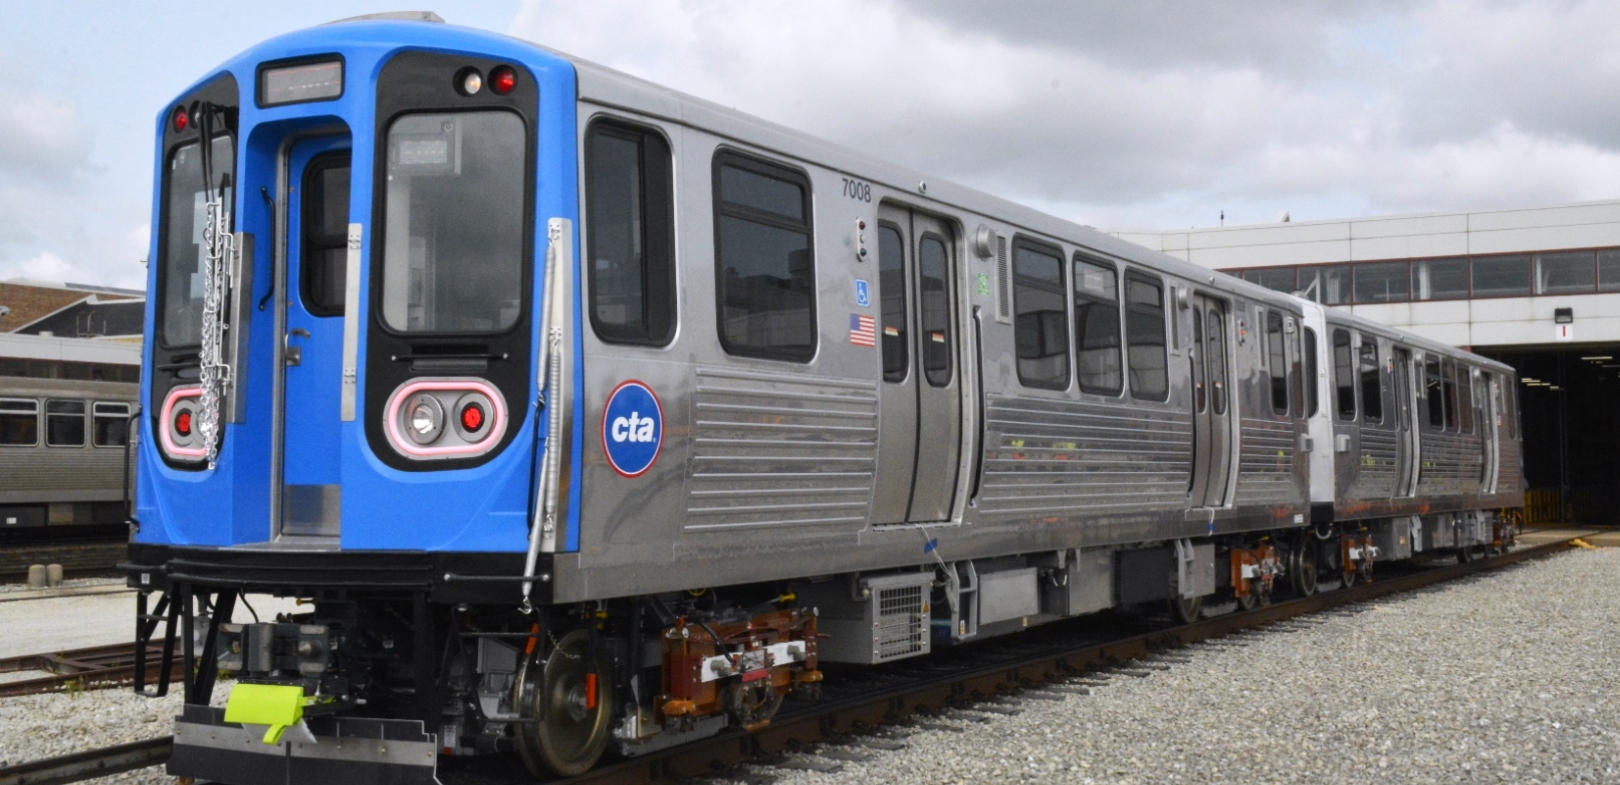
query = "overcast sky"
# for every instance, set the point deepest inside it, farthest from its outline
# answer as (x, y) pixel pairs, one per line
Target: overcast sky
(1146, 114)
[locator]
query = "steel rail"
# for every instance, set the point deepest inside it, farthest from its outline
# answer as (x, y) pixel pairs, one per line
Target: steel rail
(97, 667)
(834, 719)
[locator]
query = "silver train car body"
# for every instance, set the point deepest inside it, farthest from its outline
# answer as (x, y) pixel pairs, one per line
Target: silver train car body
(62, 452)
(777, 469)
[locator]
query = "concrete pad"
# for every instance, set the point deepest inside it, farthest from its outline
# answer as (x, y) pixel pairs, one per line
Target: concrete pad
(1544, 536)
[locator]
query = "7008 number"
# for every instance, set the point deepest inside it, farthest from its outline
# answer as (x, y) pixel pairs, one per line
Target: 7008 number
(857, 190)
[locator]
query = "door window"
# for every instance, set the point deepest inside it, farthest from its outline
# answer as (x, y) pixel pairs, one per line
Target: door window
(1372, 394)
(1344, 375)
(1312, 394)
(933, 278)
(1277, 362)
(892, 302)
(325, 234)
(1216, 358)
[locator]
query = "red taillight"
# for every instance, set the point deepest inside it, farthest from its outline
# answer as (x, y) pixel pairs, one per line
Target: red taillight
(503, 79)
(472, 417)
(181, 119)
(182, 423)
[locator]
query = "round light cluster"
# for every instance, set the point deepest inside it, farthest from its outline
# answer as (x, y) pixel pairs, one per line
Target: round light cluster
(445, 418)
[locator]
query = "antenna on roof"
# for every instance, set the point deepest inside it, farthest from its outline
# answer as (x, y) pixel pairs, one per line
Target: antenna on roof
(1282, 219)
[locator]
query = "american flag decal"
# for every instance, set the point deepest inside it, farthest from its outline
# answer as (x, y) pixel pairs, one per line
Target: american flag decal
(862, 330)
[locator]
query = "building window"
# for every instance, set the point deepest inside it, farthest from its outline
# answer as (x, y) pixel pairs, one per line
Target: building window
(1144, 338)
(764, 259)
(1096, 327)
(1608, 264)
(1570, 272)
(1501, 276)
(1440, 279)
(1276, 362)
(111, 424)
(1327, 285)
(64, 423)
(19, 423)
(1041, 325)
(630, 236)
(1383, 282)
(1344, 381)
(1280, 279)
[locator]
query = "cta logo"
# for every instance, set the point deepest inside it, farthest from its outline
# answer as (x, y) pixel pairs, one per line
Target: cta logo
(632, 428)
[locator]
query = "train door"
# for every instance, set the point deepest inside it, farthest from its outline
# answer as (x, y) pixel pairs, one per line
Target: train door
(1208, 354)
(920, 413)
(1490, 410)
(1406, 433)
(311, 292)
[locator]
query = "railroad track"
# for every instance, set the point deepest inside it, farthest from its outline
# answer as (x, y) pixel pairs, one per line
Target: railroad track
(97, 667)
(882, 697)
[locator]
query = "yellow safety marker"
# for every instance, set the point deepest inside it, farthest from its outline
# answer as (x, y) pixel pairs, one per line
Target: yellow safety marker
(1580, 543)
(279, 706)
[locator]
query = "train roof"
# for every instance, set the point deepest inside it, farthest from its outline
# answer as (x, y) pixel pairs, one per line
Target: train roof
(1344, 318)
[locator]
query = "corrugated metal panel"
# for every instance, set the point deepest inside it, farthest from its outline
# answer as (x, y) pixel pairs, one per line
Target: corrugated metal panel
(1044, 456)
(1451, 464)
(774, 449)
(1266, 463)
(1376, 469)
(41, 474)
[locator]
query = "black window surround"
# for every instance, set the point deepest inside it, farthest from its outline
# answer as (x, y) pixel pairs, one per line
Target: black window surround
(1450, 278)
(1040, 314)
(645, 294)
(786, 219)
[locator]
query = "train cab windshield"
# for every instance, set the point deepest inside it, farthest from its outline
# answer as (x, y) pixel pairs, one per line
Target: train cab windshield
(185, 219)
(453, 248)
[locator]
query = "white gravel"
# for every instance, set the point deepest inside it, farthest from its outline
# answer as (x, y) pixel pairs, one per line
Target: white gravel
(1510, 677)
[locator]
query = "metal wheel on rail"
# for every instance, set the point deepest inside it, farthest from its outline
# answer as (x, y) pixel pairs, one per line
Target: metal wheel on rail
(1302, 559)
(570, 726)
(1185, 610)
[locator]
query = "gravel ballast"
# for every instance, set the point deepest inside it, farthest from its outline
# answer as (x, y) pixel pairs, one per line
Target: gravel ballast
(1505, 677)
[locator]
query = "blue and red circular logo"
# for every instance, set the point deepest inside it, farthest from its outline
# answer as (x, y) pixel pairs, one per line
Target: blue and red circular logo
(632, 428)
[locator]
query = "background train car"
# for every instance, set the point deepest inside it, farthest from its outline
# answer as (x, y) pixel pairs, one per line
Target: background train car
(582, 410)
(65, 404)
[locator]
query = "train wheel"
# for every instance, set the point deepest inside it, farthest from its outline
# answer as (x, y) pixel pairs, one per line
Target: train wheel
(573, 725)
(1302, 569)
(1185, 609)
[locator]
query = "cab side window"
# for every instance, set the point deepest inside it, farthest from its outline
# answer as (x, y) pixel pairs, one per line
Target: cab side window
(630, 238)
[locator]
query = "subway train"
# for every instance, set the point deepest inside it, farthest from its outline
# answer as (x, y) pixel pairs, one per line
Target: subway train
(588, 418)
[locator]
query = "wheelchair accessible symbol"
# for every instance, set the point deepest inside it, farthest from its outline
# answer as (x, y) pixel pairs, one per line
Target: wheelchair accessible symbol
(863, 297)
(632, 428)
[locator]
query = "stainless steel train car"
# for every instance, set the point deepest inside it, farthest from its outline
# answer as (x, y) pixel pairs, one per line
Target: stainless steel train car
(590, 416)
(63, 457)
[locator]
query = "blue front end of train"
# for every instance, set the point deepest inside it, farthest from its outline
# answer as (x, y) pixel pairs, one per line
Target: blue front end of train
(346, 387)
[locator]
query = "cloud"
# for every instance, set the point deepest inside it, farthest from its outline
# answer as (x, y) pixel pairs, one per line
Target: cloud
(1159, 113)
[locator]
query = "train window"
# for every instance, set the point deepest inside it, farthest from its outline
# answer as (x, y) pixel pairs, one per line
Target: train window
(630, 235)
(1372, 392)
(323, 266)
(1448, 375)
(892, 302)
(1195, 359)
(1096, 328)
(1217, 361)
(1144, 338)
(180, 276)
(933, 277)
(1312, 393)
(765, 263)
(453, 234)
(1435, 393)
(1277, 362)
(64, 423)
(1344, 375)
(1041, 326)
(19, 423)
(111, 424)
(1465, 400)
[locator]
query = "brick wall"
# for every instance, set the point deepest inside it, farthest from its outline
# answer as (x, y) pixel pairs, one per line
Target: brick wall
(28, 303)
